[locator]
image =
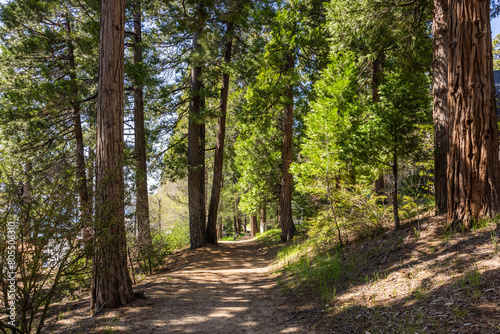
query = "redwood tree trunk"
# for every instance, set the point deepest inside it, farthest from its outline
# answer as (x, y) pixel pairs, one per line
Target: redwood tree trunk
(287, 226)
(141, 178)
(254, 229)
(440, 92)
(112, 285)
(196, 172)
(219, 144)
(473, 168)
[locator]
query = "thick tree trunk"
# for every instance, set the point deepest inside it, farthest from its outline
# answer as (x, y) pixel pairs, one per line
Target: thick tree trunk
(219, 144)
(196, 172)
(141, 178)
(112, 285)
(440, 92)
(395, 206)
(287, 226)
(83, 190)
(473, 168)
(254, 228)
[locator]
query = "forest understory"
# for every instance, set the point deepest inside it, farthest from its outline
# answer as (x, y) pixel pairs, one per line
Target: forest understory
(420, 279)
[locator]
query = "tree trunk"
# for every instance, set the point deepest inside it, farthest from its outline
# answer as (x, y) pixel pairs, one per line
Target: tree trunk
(112, 285)
(219, 228)
(395, 207)
(263, 218)
(141, 178)
(287, 226)
(254, 229)
(278, 213)
(196, 172)
(440, 92)
(83, 190)
(245, 223)
(235, 225)
(473, 168)
(239, 225)
(26, 228)
(377, 73)
(380, 185)
(219, 144)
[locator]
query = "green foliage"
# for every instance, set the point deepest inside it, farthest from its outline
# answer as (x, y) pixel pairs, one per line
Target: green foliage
(330, 128)
(164, 243)
(496, 53)
(307, 268)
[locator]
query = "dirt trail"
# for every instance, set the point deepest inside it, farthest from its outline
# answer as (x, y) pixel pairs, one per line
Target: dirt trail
(224, 289)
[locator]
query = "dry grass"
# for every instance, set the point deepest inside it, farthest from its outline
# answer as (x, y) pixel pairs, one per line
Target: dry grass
(416, 280)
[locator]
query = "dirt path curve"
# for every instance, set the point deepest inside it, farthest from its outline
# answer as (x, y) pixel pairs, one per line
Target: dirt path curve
(224, 289)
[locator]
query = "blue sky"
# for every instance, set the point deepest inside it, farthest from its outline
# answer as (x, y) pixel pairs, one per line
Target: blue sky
(495, 27)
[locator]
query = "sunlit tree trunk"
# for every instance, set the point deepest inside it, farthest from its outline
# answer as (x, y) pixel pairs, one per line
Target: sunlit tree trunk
(112, 286)
(473, 168)
(254, 228)
(440, 110)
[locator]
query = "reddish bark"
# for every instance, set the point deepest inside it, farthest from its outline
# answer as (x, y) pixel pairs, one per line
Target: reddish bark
(473, 158)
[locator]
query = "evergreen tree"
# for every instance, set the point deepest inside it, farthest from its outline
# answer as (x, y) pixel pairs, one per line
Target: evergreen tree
(111, 285)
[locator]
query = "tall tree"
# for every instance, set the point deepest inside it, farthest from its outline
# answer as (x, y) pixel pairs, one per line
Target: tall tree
(473, 166)
(196, 170)
(287, 225)
(141, 178)
(211, 234)
(111, 286)
(440, 111)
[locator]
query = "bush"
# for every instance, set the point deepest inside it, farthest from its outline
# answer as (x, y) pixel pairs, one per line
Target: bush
(164, 243)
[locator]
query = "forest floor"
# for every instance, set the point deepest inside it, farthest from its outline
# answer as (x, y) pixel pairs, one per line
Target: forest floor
(224, 289)
(419, 279)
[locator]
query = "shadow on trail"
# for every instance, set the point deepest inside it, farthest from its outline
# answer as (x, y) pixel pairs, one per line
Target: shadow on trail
(225, 289)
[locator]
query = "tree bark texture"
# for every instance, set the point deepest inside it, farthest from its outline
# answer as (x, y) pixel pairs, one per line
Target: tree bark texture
(473, 168)
(112, 285)
(196, 172)
(440, 109)
(287, 226)
(141, 178)
(254, 228)
(219, 144)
